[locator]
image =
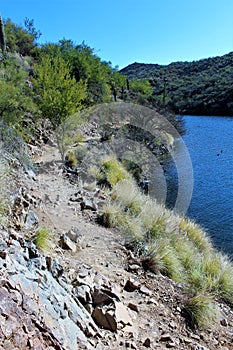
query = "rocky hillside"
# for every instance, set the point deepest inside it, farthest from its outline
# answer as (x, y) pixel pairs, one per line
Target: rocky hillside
(200, 87)
(87, 291)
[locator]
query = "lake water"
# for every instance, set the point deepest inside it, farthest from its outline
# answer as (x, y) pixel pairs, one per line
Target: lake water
(210, 144)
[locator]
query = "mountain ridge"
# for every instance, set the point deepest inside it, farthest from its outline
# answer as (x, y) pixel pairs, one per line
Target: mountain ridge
(197, 87)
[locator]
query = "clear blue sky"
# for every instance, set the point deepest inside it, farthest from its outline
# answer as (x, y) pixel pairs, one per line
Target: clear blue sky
(127, 31)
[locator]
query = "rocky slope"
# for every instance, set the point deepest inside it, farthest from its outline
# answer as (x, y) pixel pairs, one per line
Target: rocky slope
(201, 87)
(89, 292)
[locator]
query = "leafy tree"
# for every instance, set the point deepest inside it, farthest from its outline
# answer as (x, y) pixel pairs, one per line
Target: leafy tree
(101, 79)
(19, 39)
(142, 87)
(58, 95)
(15, 98)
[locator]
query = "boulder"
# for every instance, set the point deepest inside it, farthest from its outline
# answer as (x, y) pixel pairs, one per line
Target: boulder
(67, 243)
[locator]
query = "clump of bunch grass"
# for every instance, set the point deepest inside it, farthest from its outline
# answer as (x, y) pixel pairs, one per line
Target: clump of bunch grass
(44, 239)
(201, 311)
(114, 171)
(126, 193)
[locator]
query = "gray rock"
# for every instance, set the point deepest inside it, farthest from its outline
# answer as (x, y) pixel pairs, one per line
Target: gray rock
(66, 243)
(31, 220)
(74, 234)
(88, 204)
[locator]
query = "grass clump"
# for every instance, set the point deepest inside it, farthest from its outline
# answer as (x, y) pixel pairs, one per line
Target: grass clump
(126, 193)
(43, 240)
(111, 215)
(114, 171)
(201, 311)
(196, 234)
(161, 257)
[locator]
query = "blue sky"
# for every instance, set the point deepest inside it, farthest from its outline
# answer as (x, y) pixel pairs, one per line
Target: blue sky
(127, 31)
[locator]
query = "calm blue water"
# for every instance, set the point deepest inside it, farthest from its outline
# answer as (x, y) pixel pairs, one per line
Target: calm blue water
(210, 144)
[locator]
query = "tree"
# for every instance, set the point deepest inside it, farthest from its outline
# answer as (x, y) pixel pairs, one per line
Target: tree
(15, 99)
(19, 39)
(58, 95)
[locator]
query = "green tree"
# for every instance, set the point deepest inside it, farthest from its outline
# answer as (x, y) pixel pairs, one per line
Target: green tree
(58, 95)
(15, 96)
(19, 39)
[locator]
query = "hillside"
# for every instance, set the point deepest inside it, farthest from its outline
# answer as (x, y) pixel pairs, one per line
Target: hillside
(200, 87)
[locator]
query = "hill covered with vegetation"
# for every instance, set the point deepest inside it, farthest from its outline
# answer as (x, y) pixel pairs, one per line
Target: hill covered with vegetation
(201, 87)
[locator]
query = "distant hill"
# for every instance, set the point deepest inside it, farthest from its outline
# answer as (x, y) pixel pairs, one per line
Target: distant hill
(203, 87)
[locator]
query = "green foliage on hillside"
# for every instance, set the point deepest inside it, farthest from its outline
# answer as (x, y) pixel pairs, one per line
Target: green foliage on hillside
(58, 95)
(15, 95)
(201, 87)
(100, 78)
(55, 80)
(21, 39)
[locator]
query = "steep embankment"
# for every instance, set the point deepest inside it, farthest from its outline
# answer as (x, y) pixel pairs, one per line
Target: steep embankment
(200, 87)
(89, 291)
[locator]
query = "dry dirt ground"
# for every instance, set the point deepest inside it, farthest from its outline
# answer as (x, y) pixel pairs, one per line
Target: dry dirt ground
(155, 305)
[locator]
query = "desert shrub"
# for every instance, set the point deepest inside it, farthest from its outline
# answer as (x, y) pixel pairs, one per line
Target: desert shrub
(162, 257)
(111, 215)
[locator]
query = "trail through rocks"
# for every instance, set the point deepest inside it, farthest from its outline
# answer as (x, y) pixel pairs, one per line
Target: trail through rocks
(147, 308)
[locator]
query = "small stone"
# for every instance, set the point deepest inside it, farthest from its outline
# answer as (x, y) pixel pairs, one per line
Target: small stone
(172, 324)
(153, 301)
(145, 290)
(194, 336)
(224, 322)
(134, 267)
(122, 314)
(66, 243)
(105, 320)
(131, 285)
(133, 307)
(166, 338)
(74, 234)
(147, 343)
